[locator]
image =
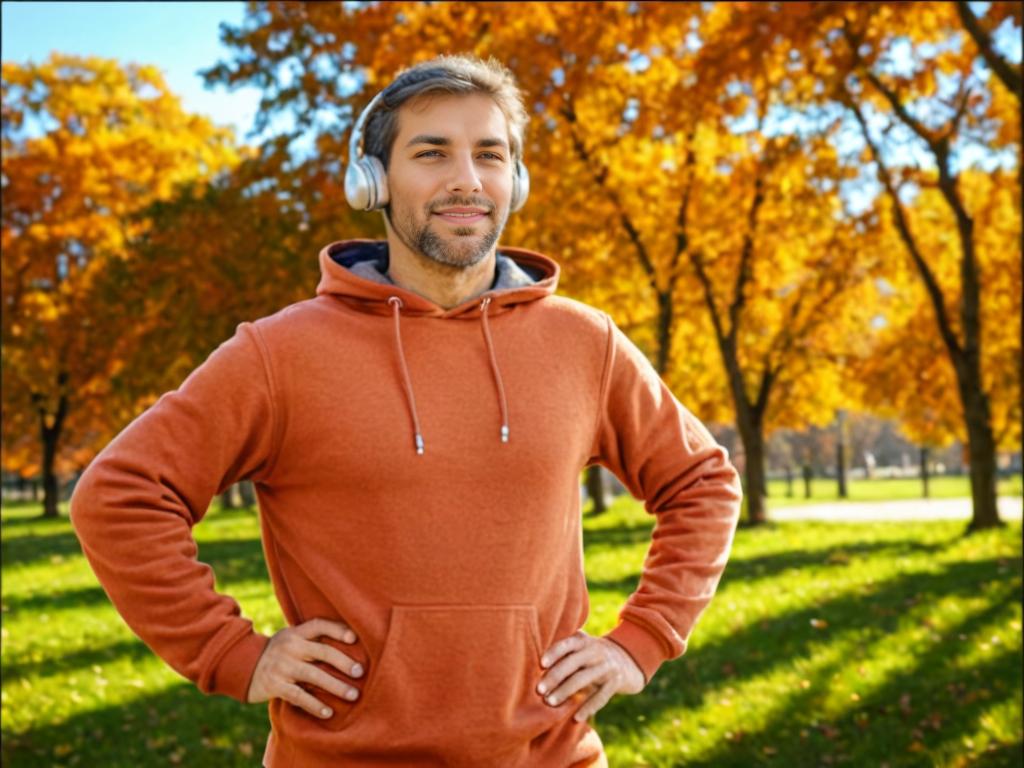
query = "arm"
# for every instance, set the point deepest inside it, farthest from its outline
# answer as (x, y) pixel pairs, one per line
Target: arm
(134, 507)
(664, 455)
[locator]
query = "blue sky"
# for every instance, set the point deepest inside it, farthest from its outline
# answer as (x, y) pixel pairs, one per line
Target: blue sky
(179, 38)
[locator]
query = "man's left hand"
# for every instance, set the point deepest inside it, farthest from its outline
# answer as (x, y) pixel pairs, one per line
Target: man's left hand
(597, 666)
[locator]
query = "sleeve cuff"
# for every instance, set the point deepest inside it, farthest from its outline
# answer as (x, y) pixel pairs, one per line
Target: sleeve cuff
(236, 668)
(646, 650)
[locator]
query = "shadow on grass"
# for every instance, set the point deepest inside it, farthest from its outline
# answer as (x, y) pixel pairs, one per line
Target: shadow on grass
(230, 558)
(760, 647)
(148, 731)
(916, 711)
(68, 663)
(766, 566)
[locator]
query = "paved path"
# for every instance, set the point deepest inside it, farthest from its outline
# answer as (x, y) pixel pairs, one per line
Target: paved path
(867, 511)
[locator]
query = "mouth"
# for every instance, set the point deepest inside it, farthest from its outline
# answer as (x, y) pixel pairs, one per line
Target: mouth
(462, 217)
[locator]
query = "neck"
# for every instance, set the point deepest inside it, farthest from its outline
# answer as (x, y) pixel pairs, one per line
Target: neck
(444, 284)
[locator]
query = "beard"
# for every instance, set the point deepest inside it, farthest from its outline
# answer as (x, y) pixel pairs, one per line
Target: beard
(456, 247)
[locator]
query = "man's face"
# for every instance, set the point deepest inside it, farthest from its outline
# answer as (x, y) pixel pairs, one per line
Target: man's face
(451, 152)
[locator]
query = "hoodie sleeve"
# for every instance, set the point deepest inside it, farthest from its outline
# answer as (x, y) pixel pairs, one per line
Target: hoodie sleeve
(134, 507)
(665, 456)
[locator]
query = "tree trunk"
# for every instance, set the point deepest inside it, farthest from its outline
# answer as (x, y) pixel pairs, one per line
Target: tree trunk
(982, 454)
(841, 454)
(808, 474)
(227, 499)
(50, 426)
(247, 492)
(789, 481)
(51, 488)
(595, 490)
(924, 472)
(753, 467)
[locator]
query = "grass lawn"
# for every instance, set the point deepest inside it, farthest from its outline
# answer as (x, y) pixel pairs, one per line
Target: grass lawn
(890, 644)
(824, 490)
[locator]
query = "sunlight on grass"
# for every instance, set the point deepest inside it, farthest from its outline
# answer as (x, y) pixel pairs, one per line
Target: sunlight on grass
(827, 644)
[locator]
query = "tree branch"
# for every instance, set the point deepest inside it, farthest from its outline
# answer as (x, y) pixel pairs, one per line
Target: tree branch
(1000, 66)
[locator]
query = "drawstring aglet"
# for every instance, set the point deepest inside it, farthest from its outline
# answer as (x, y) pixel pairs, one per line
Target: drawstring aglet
(419, 443)
(504, 433)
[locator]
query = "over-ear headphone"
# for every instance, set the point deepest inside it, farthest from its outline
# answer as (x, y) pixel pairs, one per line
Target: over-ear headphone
(366, 181)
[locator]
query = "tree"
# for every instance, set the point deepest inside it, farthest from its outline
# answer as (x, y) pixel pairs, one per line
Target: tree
(86, 143)
(916, 90)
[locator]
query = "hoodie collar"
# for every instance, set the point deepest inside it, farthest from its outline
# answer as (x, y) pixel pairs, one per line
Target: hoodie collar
(356, 272)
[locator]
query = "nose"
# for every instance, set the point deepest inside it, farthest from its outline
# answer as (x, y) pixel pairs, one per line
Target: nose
(464, 177)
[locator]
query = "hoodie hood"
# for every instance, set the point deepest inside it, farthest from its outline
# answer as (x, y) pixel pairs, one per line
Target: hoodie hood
(356, 272)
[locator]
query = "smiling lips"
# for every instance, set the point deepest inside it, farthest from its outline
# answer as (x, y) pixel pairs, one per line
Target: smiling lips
(462, 215)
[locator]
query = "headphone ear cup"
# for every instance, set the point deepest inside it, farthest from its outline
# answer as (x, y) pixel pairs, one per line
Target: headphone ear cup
(357, 186)
(379, 180)
(366, 186)
(520, 187)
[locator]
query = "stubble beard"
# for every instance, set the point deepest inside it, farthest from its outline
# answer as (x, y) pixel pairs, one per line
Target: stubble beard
(465, 248)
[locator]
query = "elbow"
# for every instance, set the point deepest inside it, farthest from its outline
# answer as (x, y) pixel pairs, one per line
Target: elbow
(82, 502)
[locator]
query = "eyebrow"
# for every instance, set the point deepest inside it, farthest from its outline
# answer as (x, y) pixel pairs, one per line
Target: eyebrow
(444, 141)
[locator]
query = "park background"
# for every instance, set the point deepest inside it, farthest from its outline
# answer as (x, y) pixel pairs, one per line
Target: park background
(808, 215)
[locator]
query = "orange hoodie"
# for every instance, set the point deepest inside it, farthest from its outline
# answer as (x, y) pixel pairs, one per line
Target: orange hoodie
(418, 477)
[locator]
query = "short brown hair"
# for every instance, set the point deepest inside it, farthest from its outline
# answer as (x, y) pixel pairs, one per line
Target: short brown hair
(448, 74)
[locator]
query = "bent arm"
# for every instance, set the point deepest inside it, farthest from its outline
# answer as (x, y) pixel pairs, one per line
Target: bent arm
(664, 455)
(134, 507)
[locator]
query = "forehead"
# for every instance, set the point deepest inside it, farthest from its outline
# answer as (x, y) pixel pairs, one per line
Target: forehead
(469, 115)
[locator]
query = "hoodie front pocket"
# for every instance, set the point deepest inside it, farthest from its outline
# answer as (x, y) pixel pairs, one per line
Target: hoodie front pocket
(456, 682)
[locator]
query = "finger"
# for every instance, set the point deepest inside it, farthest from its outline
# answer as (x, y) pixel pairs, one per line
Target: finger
(559, 673)
(595, 674)
(592, 705)
(307, 673)
(314, 651)
(314, 628)
(590, 653)
(294, 694)
(565, 645)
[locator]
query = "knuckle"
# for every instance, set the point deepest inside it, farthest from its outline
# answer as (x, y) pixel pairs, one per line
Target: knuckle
(315, 628)
(338, 659)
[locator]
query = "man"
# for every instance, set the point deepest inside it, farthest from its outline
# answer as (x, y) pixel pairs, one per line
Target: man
(416, 434)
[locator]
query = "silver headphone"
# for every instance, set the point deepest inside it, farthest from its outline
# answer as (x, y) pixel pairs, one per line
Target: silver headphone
(366, 181)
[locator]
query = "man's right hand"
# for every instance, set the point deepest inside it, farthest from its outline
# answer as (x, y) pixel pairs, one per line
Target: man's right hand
(286, 661)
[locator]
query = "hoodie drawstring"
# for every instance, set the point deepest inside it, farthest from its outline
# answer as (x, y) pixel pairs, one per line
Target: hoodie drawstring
(396, 304)
(494, 367)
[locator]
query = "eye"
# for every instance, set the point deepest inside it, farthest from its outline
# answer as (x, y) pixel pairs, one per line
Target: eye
(489, 155)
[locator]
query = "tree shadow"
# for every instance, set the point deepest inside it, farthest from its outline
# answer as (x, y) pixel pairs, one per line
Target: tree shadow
(148, 730)
(888, 721)
(766, 566)
(66, 663)
(760, 647)
(231, 558)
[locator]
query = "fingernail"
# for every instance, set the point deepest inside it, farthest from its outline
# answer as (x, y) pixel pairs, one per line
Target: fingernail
(544, 662)
(357, 670)
(552, 700)
(325, 712)
(349, 637)
(542, 688)
(351, 695)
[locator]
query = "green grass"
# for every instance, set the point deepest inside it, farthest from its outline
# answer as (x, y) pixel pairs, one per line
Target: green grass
(825, 490)
(892, 644)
